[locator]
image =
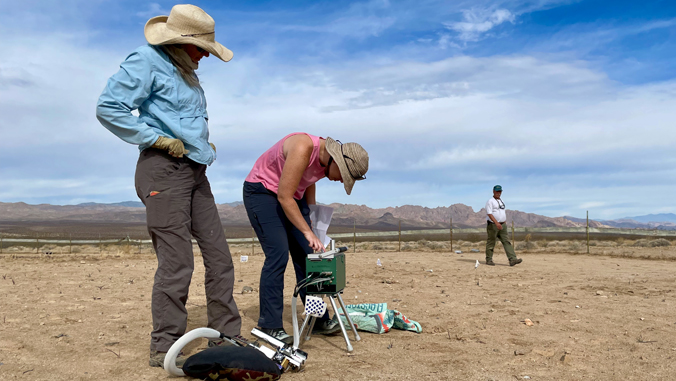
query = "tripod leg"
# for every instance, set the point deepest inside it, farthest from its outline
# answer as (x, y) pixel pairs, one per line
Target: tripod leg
(340, 321)
(302, 329)
(312, 325)
(349, 319)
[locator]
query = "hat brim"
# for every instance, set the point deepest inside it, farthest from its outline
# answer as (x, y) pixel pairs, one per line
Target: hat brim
(157, 33)
(333, 148)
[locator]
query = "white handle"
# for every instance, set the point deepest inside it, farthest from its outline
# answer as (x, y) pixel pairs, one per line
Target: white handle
(170, 358)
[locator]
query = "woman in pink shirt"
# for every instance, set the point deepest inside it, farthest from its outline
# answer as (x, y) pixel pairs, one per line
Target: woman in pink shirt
(277, 193)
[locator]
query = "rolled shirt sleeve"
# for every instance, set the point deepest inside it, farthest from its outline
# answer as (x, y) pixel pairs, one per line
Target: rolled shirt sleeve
(489, 208)
(125, 91)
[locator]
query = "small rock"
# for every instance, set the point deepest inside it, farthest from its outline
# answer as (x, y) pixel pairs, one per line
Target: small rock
(396, 300)
(521, 352)
(565, 359)
(577, 306)
(240, 281)
(82, 262)
(528, 322)
(526, 377)
(247, 290)
(599, 292)
(642, 319)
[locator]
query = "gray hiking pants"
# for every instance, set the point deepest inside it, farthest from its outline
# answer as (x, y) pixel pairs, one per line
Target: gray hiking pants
(179, 206)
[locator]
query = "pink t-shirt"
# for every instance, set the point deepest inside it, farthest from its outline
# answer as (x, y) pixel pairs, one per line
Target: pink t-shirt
(268, 167)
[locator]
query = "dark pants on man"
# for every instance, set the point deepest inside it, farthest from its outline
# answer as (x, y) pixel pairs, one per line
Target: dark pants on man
(502, 235)
(278, 237)
(179, 206)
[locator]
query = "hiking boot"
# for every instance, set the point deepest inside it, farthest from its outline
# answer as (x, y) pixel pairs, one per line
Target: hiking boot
(326, 327)
(157, 359)
(219, 343)
(515, 261)
(279, 334)
(490, 262)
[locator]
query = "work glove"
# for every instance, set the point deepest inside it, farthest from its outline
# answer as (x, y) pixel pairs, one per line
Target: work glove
(213, 146)
(175, 147)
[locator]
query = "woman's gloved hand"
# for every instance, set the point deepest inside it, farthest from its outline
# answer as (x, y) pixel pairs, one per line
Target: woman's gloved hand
(213, 146)
(175, 147)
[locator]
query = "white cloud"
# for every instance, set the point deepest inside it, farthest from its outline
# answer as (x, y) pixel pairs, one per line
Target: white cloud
(479, 21)
(154, 9)
(556, 133)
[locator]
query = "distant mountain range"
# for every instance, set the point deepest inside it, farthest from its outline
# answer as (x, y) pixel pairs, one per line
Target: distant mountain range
(234, 214)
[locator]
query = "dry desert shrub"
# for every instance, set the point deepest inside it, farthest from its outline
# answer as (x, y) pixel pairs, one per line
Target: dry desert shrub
(620, 241)
(593, 243)
(643, 242)
(526, 246)
(575, 246)
(660, 242)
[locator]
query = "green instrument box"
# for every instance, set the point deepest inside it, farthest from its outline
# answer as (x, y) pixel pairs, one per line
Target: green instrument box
(334, 264)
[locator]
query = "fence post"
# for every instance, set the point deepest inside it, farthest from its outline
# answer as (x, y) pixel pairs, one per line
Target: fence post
(587, 232)
(451, 229)
(354, 237)
(100, 245)
(37, 243)
(0, 243)
(513, 241)
(399, 235)
(70, 243)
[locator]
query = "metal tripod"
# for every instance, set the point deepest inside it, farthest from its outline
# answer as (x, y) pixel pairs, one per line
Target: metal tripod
(310, 321)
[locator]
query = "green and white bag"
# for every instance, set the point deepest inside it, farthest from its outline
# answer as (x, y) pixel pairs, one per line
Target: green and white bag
(376, 318)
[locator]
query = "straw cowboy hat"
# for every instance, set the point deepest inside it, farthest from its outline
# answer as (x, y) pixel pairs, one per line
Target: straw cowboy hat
(352, 160)
(186, 24)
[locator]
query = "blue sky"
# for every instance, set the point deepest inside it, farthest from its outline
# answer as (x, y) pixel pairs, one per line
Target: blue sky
(569, 105)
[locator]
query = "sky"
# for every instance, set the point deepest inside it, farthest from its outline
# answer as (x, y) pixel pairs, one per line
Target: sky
(569, 105)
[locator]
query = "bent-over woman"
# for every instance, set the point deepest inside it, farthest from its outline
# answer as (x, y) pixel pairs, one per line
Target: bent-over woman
(277, 193)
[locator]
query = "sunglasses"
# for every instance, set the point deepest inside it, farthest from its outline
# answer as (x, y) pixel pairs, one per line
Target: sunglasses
(202, 51)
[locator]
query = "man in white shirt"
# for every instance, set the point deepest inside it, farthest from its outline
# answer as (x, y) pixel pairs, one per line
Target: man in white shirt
(495, 218)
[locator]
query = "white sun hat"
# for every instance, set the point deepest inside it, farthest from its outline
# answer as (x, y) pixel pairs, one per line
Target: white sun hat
(186, 24)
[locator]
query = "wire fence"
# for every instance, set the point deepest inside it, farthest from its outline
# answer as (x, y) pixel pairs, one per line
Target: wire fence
(63, 243)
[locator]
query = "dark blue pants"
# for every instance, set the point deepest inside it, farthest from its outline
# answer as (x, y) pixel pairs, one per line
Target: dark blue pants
(278, 238)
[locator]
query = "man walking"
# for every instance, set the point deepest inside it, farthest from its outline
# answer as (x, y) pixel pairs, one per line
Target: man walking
(495, 218)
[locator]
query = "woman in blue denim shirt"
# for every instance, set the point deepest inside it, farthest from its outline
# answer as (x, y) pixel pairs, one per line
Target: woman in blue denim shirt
(172, 133)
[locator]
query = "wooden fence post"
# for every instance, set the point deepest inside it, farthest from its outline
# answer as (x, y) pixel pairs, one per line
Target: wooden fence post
(100, 245)
(587, 232)
(70, 243)
(513, 241)
(0, 243)
(399, 235)
(37, 243)
(451, 229)
(354, 237)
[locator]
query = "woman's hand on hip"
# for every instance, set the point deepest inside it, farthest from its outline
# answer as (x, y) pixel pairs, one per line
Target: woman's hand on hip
(175, 147)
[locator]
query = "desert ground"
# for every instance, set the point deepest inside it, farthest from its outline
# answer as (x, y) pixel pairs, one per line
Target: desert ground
(607, 315)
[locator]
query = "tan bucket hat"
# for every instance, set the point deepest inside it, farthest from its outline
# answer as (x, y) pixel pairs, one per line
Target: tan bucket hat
(186, 24)
(352, 160)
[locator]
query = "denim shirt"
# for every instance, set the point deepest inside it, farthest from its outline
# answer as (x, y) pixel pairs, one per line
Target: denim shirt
(167, 105)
